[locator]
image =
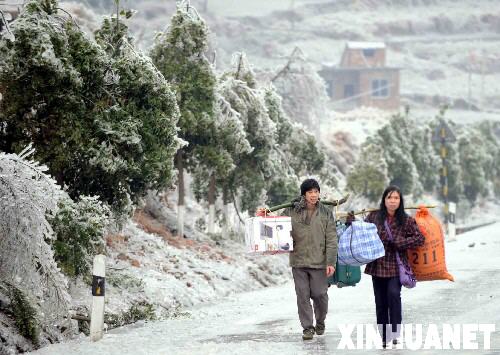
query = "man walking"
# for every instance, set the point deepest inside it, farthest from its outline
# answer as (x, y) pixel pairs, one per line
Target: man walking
(313, 257)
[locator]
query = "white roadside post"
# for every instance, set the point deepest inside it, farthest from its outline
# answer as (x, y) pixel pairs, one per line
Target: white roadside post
(452, 209)
(181, 209)
(98, 288)
(211, 219)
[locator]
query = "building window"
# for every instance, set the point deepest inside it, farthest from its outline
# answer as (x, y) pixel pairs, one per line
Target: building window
(348, 90)
(369, 52)
(380, 88)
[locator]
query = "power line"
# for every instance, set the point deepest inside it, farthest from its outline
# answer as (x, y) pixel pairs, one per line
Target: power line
(362, 94)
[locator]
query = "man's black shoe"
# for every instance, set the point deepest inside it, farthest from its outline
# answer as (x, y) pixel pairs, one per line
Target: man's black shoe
(320, 328)
(308, 334)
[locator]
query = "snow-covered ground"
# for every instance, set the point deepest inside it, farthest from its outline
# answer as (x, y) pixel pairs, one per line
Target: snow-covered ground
(358, 124)
(252, 8)
(146, 265)
(266, 322)
(168, 273)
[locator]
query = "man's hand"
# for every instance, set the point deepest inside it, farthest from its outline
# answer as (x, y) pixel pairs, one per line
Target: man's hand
(350, 218)
(262, 211)
(330, 270)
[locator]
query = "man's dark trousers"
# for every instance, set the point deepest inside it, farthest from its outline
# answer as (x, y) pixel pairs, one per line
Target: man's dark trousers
(311, 284)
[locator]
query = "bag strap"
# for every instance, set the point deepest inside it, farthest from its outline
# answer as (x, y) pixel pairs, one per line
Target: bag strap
(388, 230)
(350, 244)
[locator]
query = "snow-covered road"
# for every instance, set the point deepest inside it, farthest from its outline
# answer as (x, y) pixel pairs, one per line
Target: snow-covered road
(266, 322)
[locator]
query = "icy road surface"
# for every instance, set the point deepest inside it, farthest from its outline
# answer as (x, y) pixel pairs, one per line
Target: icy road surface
(266, 321)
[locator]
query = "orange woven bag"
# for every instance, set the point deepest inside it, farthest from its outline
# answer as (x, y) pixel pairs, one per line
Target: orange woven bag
(428, 261)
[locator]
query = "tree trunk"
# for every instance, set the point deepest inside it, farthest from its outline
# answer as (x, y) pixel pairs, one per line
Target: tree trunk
(180, 203)
(240, 230)
(211, 205)
(225, 211)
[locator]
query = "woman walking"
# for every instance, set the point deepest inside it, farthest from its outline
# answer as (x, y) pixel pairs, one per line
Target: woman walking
(384, 271)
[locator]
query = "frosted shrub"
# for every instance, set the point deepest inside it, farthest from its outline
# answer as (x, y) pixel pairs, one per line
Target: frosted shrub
(27, 195)
(79, 228)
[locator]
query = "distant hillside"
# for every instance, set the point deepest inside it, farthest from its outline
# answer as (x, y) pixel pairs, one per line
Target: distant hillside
(449, 51)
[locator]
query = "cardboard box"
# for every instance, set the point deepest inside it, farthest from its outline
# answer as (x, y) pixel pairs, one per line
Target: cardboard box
(271, 234)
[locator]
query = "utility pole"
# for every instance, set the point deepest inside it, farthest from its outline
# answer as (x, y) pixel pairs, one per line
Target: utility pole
(470, 67)
(444, 135)
(469, 93)
(483, 57)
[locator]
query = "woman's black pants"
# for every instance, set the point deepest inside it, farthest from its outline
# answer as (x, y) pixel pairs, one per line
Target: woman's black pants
(387, 292)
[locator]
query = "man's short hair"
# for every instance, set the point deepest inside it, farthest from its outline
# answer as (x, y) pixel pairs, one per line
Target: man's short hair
(307, 185)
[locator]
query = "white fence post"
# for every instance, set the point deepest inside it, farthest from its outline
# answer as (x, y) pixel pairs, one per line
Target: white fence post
(98, 290)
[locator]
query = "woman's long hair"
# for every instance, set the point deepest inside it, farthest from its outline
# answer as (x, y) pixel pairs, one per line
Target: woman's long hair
(400, 214)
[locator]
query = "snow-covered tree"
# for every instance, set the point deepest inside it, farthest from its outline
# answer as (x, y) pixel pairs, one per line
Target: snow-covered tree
(455, 182)
(282, 151)
(140, 127)
(274, 106)
(255, 169)
(102, 120)
(474, 158)
(179, 54)
(27, 267)
(299, 152)
(490, 132)
(454, 171)
(305, 155)
(472, 161)
(369, 176)
(284, 185)
(400, 153)
(423, 155)
(395, 137)
(303, 91)
(229, 144)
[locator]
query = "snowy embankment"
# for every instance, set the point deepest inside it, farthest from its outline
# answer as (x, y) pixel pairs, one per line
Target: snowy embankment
(265, 321)
(152, 274)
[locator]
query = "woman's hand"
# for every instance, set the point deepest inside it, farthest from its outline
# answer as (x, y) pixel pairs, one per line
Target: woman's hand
(389, 244)
(350, 218)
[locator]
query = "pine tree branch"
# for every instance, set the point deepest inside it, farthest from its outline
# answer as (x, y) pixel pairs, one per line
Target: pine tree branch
(6, 23)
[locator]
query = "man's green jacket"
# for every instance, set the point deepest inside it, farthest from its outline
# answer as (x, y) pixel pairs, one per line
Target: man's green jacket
(315, 238)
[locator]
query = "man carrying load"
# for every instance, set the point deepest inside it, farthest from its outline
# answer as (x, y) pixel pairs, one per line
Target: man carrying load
(313, 257)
